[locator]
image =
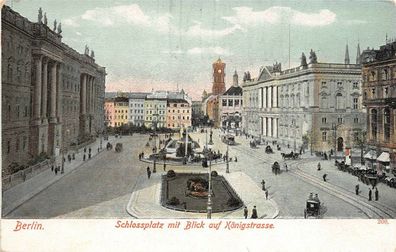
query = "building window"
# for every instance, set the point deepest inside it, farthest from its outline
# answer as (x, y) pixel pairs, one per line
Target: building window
(339, 120)
(355, 85)
(374, 124)
(373, 93)
(386, 91)
(387, 124)
(355, 103)
(323, 84)
(340, 104)
(324, 136)
(324, 120)
(17, 145)
(339, 84)
(356, 120)
(236, 102)
(8, 147)
(230, 103)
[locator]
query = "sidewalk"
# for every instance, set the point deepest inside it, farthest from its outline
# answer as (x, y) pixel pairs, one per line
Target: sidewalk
(17, 195)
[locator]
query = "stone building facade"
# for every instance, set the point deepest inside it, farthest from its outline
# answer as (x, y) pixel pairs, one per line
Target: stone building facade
(136, 108)
(52, 96)
(379, 87)
(178, 114)
(231, 107)
(316, 104)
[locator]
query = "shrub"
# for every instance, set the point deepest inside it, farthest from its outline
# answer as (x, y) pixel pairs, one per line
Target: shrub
(171, 174)
(214, 174)
(173, 201)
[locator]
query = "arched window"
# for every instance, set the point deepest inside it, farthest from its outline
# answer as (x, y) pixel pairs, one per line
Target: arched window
(387, 124)
(373, 123)
(340, 103)
(323, 102)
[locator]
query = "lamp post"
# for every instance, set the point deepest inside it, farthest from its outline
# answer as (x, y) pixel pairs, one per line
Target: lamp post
(295, 129)
(63, 152)
(209, 205)
(228, 165)
(334, 128)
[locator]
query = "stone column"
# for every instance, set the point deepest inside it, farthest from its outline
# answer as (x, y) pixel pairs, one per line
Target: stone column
(59, 109)
(275, 127)
(53, 92)
(37, 88)
(265, 97)
(270, 96)
(83, 94)
(275, 95)
(44, 90)
(270, 127)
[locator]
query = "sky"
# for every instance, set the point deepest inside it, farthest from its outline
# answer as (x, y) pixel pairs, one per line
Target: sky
(169, 44)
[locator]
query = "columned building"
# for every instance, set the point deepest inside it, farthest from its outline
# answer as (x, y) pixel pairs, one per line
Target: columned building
(379, 86)
(52, 96)
(315, 104)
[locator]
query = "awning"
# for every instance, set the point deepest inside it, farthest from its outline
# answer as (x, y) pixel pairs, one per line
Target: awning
(371, 155)
(384, 157)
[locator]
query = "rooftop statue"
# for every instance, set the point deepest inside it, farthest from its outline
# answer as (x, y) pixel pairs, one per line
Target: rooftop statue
(40, 15)
(312, 57)
(86, 50)
(45, 18)
(92, 54)
(55, 25)
(59, 28)
(303, 60)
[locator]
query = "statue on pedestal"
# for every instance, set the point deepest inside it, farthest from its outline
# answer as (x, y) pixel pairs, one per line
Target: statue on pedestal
(59, 28)
(312, 57)
(303, 60)
(55, 25)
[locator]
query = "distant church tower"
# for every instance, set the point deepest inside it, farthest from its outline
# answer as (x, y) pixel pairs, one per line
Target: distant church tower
(218, 77)
(347, 61)
(358, 60)
(235, 79)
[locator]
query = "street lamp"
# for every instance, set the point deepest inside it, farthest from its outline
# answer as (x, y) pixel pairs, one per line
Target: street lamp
(334, 128)
(209, 205)
(63, 152)
(228, 165)
(295, 129)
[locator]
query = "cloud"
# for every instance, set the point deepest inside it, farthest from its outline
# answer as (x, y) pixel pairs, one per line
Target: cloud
(123, 15)
(209, 50)
(197, 31)
(355, 21)
(245, 17)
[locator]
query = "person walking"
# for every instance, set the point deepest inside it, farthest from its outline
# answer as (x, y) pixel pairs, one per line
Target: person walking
(56, 171)
(324, 177)
(370, 194)
(263, 185)
(245, 212)
(236, 160)
(84, 157)
(357, 189)
(164, 166)
(85, 149)
(266, 194)
(254, 213)
(376, 194)
(319, 166)
(148, 172)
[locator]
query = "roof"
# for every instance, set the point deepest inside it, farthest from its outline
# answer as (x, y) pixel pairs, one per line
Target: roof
(233, 90)
(177, 101)
(121, 99)
(138, 95)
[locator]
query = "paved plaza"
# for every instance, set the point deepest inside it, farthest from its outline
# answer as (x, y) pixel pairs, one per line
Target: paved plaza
(115, 185)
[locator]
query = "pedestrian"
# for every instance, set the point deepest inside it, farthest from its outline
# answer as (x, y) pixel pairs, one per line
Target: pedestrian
(148, 172)
(286, 167)
(263, 185)
(164, 166)
(98, 149)
(236, 160)
(376, 194)
(245, 212)
(324, 177)
(56, 171)
(89, 150)
(140, 155)
(266, 194)
(73, 156)
(254, 213)
(154, 167)
(319, 166)
(357, 189)
(52, 168)
(370, 193)
(85, 149)
(89, 155)
(310, 196)
(84, 157)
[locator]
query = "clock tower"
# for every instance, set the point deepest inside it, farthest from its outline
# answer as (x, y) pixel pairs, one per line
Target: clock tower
(218, 77)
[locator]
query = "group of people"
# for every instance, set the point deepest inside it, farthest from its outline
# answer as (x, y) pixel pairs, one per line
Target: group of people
(89, 153)
(370, 193)
(254, 213)
(141, 155)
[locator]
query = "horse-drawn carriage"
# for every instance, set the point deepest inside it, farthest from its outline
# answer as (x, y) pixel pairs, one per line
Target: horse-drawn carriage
(290, 155)
(118, 147)
(228, 139)
(253, 144)
(109, 146)
(268, 150)
(312, 207)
